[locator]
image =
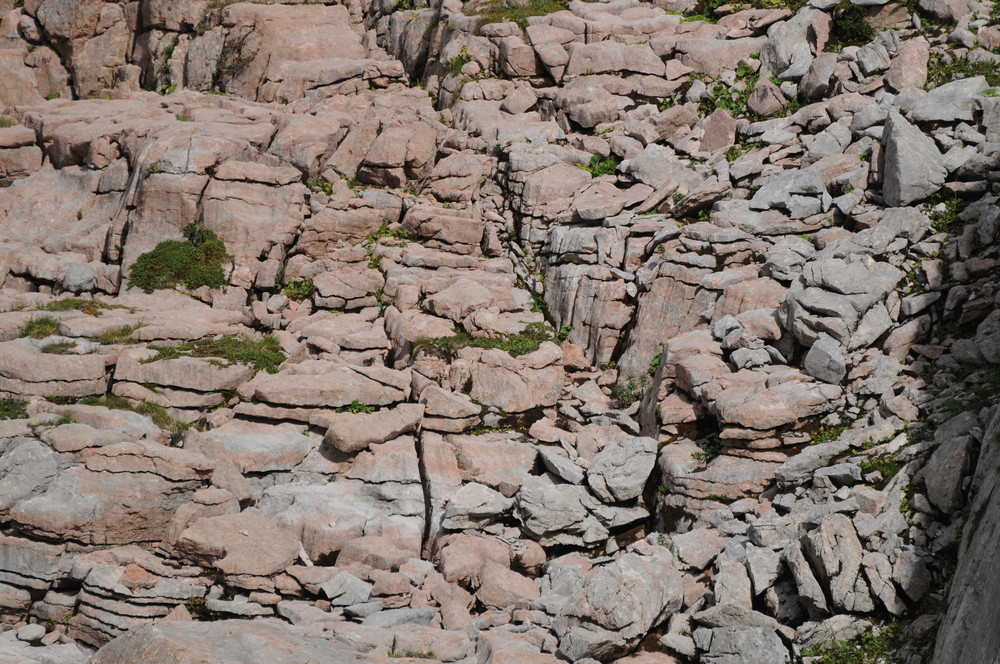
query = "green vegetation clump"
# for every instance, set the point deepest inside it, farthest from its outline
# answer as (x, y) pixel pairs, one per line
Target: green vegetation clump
(849, 26)
(733, 99)
(357, 406)
(299, 290)
(51, 96)
(39, 328)
(7, 121)
(12, 408)
(120, 335)
(528, 341)
(182, 118)
(870, 647)
(89, 307)
(456, 63)
(385, 231)
(59, 348)
(414, 654)
(606, 166)
(499, 11)
(317, 184)
(262, 354)
(624, 393)
(946, 220)
(168, 53)
(885, 464)
(941, 70)
(193, 263)
(829, 432)
(375, 262)
(737, 150)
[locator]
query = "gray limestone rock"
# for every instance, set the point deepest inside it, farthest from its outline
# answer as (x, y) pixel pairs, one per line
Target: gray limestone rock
(825, 361)
(345, 589)
(78, 278)
(816, 81)
(618, 604)
(811, 594)
(558, 513)
(835, 553)
(914, 169)
(223, 642)
(745, 645)
(562, 466)
(397, 617)
(474, 505)
(619, 471)
(800, 192)
(950, 102)
(944, 472)
(763, 566)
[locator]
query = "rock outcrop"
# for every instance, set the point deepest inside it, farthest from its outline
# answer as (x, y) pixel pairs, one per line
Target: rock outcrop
(497, 332)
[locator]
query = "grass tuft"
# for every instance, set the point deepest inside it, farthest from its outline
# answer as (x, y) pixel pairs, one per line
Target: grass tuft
(500, 12)
(120, 335)
(59, 348)
(12, 408)
(528, 341)
(262, 354)
(39, 328)
(89, 307)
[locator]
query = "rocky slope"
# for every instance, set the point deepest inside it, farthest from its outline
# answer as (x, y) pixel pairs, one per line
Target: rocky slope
(491, 333)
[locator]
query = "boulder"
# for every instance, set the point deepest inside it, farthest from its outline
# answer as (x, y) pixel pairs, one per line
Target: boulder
(240, 544)
(914, 169)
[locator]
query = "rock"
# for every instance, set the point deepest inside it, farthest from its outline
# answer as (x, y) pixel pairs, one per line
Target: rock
(619, 471)
(319, 384)
(352, 432)
(912, 575)
(589, 106)
(764, 567)
(950, 102)
(500, 587)
(474, 506)
(398, 617)
(244, 543)
(697, 548)
(816, 81)
(254, 448)
(878, 571)
(618, 604)
(836, 553)
(344, 589)
(810, 591)
(745, 645)
(461, 556)
(31, 633)
(914, 168)
(224, 642)
(607, 56)
(766, 99)
(909, 67)
(558, 514)
(825, 361)
(840, 627)
(801, 192)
